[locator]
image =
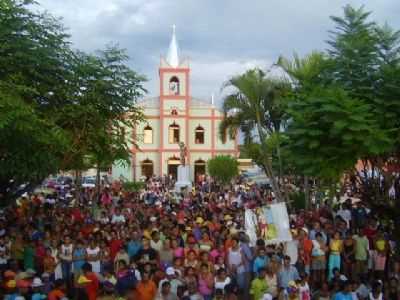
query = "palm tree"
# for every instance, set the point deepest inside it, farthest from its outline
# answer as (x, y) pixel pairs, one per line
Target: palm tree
(255, 106)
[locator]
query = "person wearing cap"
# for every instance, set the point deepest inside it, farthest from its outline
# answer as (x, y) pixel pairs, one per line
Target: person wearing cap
(10, 289)
(37, 293)
(23, 286)
(173, 279)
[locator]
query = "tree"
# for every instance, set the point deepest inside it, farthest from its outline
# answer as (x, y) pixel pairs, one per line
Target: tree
(31, 147)
(223, 168)
(33, 64)
(103, 113)
(329, 132)
(256, 107)
(70, 110)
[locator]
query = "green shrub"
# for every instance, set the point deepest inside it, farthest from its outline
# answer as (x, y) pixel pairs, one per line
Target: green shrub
(133, 186)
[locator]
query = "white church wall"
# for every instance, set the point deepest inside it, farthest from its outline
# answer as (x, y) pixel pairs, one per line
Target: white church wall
(171, 104)
(200, 112)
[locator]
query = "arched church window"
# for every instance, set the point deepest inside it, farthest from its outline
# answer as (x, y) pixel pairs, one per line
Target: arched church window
(224, 137)
(148, 135)
(147, 168)
(173, 133)
(174, 86)
(174, 112)
(199, 135)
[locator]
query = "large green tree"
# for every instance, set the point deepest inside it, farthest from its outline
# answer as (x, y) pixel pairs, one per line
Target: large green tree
(65, 109)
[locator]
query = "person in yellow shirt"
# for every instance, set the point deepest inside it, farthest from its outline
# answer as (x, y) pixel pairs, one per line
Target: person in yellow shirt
(381, 247)
(259, 285)
(335, 248)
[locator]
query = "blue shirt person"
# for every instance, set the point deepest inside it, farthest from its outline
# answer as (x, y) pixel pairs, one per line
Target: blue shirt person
(287, 274)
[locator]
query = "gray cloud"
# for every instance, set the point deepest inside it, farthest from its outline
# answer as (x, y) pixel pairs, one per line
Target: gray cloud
(221, 37)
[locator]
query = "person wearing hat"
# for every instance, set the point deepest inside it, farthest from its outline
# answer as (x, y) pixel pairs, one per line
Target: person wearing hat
(23, 286)
(172, 278)
(37, 286)
(47, 283)
(10, 288)
(292, 291)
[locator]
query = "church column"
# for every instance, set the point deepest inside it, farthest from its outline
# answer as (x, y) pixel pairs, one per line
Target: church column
(213, 132)
(187, 105)
(161, 112)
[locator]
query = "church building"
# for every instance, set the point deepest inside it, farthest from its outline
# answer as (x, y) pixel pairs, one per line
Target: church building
(173, 117)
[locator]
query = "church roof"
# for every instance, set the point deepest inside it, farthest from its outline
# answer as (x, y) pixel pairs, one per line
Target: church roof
(199, 103)
(149, 102)
(172, 56)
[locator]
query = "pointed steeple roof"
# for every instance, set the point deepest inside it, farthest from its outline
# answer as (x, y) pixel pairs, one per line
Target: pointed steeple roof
(172, 56)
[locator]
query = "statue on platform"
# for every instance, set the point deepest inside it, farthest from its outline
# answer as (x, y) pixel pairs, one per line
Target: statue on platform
(183, 150)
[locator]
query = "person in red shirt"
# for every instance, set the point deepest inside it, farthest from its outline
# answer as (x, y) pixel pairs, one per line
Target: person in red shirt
(59, 290)
(370, 231)
(91, 282)
(305, 245)
(40, 253)
(115, 244)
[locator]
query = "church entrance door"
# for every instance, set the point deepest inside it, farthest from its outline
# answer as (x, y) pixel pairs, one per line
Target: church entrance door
(199, 170)
(173, 164)
(147, 168)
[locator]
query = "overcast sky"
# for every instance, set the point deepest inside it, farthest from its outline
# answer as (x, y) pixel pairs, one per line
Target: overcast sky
(220, 37)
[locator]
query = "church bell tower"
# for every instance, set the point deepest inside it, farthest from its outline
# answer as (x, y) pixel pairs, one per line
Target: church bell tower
(174, 75)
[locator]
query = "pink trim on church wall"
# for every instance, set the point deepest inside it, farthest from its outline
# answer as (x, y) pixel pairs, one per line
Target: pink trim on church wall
(213, 132)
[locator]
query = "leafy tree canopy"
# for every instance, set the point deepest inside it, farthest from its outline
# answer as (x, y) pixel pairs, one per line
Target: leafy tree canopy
(60, 109)
(223, 168)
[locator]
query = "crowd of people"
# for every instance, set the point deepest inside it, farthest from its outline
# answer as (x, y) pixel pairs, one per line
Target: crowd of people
(154, 244)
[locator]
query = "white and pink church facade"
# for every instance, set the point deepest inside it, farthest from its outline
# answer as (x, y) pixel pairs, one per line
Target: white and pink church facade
(173, 117)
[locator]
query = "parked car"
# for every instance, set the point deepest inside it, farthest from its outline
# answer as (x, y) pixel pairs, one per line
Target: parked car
(89, 182)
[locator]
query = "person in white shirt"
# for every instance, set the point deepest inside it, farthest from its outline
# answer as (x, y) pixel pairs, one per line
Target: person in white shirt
(66, 258)
(155, 241)
(118, 217)
(172, 279)
(345, 214)
(93, 256)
